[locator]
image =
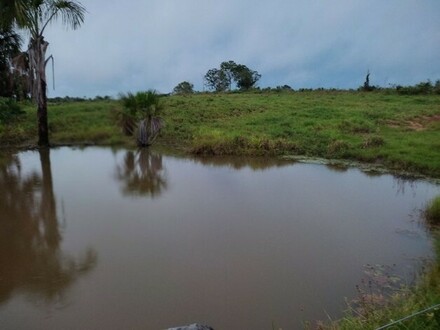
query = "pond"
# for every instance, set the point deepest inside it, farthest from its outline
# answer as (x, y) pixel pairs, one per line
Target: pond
(97, 238)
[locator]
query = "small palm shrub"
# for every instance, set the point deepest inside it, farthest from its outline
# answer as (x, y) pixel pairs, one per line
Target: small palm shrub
(140, 116)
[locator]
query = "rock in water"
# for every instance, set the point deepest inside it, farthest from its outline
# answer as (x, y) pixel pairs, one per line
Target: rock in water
(194, 326)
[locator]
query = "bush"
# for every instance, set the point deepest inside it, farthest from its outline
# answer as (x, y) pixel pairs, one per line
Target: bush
(140, 116)
(432, 212)
(184, 87)
(421, 88)
(437, 87)
(9, 110)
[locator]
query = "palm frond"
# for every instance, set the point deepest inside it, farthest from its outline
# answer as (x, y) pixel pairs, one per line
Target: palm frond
(71, 13)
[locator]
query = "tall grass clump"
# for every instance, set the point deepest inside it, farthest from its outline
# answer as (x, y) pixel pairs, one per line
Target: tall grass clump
(432, 211)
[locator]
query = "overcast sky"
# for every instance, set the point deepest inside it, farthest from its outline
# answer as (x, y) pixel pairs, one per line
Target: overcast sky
(141, 44)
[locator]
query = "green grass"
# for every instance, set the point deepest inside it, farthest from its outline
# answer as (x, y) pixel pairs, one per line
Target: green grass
(401, 132)
(432, 212)
(89, 122)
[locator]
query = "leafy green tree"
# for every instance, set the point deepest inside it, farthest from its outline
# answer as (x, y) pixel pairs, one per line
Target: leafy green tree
(184, 87)
(140, 116)
(10, 43)
(229, 72)
(229, 68)
(34, 16)
(9, 48)
(217, 80)
(245, 77)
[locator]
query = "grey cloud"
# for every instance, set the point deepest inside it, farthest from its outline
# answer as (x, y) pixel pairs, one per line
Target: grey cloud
(138, 44)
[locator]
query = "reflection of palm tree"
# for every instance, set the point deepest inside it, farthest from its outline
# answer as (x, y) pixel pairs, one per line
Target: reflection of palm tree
(142, 173)
(47, 205)
(30, 259)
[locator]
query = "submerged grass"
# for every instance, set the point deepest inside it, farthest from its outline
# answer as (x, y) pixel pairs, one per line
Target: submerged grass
(432, 212)
(377, 311)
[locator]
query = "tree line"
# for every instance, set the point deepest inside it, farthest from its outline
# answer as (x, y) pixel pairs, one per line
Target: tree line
(224, 78)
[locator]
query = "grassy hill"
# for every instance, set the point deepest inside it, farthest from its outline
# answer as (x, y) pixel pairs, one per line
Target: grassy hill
(401, 132)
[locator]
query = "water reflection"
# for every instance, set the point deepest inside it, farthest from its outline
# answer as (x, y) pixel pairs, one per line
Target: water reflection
(30, 237)
(337, 168)
(142, 173)
(402, 183)
(237, 163)
(263, 241)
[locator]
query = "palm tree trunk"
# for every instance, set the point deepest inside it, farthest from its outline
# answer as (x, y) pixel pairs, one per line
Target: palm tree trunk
(43, 129)
(37, 62)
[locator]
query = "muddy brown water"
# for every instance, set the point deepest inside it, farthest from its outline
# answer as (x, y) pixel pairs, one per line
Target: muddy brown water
(101, 239)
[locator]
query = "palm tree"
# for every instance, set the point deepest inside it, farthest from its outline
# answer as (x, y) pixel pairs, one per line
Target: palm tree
(34, 16)
(9, 48)
(10, 43)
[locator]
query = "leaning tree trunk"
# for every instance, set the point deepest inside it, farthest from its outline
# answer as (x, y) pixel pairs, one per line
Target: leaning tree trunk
(37, 63)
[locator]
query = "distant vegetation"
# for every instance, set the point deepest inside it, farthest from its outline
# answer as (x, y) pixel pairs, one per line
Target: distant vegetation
(367, 87)
(221, 79)
(423, 88)
(184, 87)
(67, 99)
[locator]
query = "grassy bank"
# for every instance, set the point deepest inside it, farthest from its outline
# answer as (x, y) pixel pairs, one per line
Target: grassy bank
(401, 132)
(85, 122)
